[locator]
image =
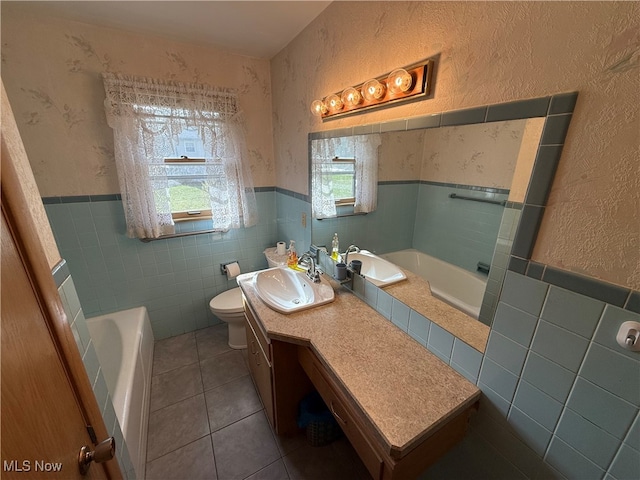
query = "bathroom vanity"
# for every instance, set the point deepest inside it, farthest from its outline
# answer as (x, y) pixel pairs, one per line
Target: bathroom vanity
(400, 406)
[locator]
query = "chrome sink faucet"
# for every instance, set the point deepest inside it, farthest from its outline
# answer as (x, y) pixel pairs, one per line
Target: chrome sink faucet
(352, 248)
(312, 273)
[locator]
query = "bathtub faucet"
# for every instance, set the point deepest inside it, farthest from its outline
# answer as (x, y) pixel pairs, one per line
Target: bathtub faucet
(352, 248)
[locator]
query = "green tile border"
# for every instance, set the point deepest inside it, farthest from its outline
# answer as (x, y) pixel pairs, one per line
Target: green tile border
(610, 293)
(60, 272)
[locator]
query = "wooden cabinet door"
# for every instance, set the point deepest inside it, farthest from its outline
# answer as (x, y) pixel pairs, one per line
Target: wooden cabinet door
(261, 372)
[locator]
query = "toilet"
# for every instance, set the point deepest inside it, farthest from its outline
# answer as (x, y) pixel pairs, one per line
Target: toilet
(228, 305)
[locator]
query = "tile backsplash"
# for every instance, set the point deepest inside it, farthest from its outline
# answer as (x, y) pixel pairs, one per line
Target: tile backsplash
(561, 398)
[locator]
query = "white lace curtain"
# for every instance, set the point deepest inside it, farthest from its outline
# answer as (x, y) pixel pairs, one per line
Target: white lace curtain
(365, 150)
(147, 116)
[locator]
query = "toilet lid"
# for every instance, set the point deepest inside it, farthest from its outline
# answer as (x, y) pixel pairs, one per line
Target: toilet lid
(228, 302)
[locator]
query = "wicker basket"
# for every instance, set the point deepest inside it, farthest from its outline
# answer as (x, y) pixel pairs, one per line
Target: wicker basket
(323, 432)
(320, 425)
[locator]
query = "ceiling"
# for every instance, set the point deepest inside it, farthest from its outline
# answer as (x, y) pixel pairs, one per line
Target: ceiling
(254, 28)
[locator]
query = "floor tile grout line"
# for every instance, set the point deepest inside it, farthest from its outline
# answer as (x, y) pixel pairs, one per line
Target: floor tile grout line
(176, 449)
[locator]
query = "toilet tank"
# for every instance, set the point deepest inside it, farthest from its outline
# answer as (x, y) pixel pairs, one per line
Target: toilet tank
(275, 260)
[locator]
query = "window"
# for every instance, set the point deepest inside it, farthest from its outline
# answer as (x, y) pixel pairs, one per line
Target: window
(188, 189)
(180, 154)
(344, 172)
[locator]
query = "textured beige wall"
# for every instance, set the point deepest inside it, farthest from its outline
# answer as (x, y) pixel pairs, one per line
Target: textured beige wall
(493, 52)
(484, 154)
(15, 148)
(51, 69)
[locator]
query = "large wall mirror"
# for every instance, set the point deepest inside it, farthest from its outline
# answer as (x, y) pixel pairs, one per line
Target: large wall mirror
(462, 191)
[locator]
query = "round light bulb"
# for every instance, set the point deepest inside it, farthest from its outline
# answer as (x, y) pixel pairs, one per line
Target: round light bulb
(372, 90)
(351, 97)
(318, 108)
(334, 103)
(399, 81)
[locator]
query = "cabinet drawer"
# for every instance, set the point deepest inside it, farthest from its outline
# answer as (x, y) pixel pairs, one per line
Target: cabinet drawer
(260, 337)
(343, 414)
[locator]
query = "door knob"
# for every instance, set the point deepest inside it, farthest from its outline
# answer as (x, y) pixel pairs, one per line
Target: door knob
(104, 451)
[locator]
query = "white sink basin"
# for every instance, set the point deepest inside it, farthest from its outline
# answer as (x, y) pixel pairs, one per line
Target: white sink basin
(288, 291)
(377, 270)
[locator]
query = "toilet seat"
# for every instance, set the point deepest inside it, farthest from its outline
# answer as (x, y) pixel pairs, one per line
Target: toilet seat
(228, 302)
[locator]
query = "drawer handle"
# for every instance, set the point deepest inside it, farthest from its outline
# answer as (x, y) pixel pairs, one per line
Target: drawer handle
(335, 414)
(253, 347)
(257, 358)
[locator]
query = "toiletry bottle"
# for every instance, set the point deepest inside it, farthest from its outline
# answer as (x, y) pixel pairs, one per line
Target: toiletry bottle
(335, 247)
(292, 259)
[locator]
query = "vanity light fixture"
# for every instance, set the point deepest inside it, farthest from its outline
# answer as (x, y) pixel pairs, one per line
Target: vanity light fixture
(351, 97)
(318, 107)
(399, 81)
(334, 103)
(400, 85)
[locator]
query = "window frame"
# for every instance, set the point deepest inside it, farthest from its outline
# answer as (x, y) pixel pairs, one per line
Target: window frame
(346, 201)
(189, 215)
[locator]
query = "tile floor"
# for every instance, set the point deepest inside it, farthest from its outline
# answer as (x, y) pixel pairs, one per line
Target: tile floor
(207, 421)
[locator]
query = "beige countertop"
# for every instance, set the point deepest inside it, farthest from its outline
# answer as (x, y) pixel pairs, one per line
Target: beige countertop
(404, 390)
(416, 293)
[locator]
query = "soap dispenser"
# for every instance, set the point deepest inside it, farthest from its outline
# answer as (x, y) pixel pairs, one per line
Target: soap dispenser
(292, 259)
(335, 247)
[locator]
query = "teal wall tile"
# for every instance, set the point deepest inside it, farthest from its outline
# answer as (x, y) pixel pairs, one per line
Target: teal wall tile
(524, 293)
(588, 439)
(440, 341)
(493, 401)
(419, 327)
(466, 360)
(612, 371)
(498, 379)
(459, 232)
(505, 352)
(514, 324)
(537, 405)
(504, 439)
(559, 345)
(370, 293)
(535, 435)
(602, 408)
(574, 312)
(626, 464)
(100, 390)
(571, 463)
(384, 305)
(400, 314)
(633, 436)
(119, 272)
(548, 376)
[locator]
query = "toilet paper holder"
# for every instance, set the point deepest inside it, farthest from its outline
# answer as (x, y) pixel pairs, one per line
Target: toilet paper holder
(223, 266)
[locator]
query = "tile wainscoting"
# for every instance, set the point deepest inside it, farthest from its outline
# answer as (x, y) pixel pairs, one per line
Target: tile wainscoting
(76, 319)
(560, 397)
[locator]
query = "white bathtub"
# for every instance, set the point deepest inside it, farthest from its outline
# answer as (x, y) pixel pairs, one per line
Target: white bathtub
(124, 345)
(454, 285)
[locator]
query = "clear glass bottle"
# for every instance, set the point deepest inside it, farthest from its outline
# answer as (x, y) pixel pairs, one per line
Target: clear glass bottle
(335, 247)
